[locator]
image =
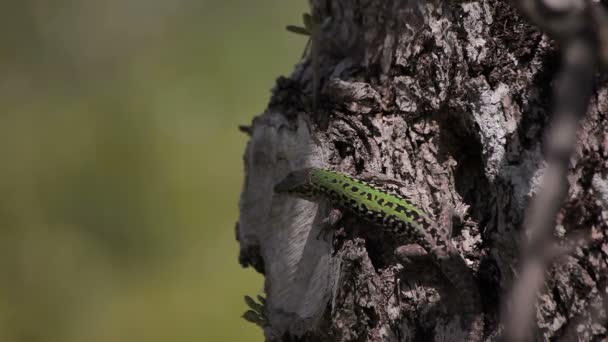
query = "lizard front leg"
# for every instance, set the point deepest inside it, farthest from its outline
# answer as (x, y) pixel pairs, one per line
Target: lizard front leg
(329, 223)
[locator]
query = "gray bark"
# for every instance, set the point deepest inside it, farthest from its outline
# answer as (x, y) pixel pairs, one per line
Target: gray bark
(452, 99)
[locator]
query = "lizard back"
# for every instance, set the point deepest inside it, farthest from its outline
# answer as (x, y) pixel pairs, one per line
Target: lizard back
(371, 203)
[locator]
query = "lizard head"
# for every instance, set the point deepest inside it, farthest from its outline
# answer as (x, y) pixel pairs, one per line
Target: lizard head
(297, 183)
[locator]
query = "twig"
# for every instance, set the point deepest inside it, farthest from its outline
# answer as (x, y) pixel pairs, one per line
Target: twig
(568, 22)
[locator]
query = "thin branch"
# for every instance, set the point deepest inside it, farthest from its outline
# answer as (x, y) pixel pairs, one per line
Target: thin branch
(568, 22)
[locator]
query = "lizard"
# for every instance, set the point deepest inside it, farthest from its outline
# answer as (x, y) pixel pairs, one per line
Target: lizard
(396, 215)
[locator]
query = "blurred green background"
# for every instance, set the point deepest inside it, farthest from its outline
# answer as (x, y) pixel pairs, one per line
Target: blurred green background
(122, 164)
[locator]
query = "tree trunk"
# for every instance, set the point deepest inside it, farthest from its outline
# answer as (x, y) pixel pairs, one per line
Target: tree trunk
(452, 99)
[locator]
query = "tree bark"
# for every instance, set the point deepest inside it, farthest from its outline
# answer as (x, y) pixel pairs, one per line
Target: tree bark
(452, 99)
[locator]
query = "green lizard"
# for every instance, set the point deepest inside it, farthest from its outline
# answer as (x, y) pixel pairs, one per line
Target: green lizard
(398, 216)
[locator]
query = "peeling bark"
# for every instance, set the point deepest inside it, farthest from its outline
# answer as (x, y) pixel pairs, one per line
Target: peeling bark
(450, 98)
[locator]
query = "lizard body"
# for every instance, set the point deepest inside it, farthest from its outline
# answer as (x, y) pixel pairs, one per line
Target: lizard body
(392, 211)
(398, 216)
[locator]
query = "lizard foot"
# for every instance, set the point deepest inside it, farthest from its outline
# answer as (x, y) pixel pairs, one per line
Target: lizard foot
(329, 223)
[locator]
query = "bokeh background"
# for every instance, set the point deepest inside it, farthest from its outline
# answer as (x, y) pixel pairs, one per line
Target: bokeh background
(122, 165)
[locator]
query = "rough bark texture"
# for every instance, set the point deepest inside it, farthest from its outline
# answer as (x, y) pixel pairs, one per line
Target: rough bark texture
(450, 98)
